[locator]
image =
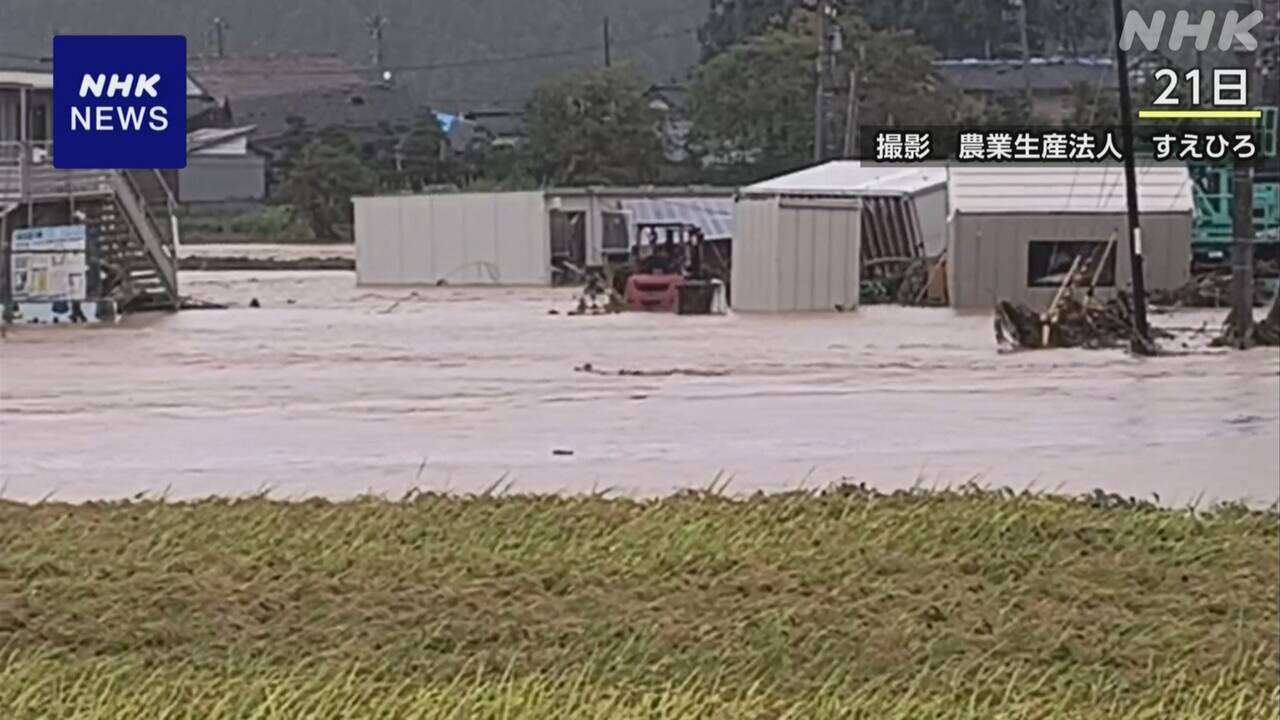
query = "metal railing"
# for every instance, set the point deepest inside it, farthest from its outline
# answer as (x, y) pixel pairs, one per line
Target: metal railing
(27, 174)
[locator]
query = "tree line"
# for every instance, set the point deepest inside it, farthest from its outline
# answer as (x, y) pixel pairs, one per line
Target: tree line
(750, 110)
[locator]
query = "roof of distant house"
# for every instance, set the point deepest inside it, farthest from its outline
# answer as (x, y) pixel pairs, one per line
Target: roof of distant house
(240, 77)
(355, 107)
(497, 123)
(1045, 74)
(209, 137)
(673, 97)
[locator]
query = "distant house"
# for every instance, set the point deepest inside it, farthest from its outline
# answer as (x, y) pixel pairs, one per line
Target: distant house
(499, 128)
(222, 167)
(671, 102)
(280, 93)
(1052, 81)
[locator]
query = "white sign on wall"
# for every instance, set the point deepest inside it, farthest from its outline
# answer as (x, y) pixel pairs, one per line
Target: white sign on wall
(49, 263)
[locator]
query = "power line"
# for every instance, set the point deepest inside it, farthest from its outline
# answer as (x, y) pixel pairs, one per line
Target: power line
(478, 62)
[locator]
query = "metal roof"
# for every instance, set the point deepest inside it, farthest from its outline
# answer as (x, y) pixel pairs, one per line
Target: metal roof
(714, 216)
(1043, 74)
(1062, 188)
(853, 177)
(27, 78)
(208, 137)
(41, 80)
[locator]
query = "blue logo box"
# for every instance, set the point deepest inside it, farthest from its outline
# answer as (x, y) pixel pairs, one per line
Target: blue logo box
(119, 101)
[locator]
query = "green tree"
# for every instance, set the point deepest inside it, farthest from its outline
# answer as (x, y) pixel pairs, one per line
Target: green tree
(423, 157)
(327, 173)
(729, 22)
(593, 127)
(752, 105)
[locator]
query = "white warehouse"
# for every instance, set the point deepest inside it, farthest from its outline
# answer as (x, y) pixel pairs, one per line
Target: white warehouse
(517, 238)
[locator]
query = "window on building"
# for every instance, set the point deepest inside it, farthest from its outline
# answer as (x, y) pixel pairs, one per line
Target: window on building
(39, 123)
(1049, 261)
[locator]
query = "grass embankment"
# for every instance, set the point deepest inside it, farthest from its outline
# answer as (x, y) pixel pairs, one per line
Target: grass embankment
(254, 224)
(963, 605)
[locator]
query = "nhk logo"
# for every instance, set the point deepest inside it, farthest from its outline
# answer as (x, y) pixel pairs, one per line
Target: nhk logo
(119, 101)
(1234, 29)
(101, 117)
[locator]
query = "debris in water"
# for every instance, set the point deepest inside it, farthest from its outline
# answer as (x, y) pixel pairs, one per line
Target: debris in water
(1212, 290)
(190, 303)
(1265, 333)
(1087, 323)
(562, 453)
(589, 368)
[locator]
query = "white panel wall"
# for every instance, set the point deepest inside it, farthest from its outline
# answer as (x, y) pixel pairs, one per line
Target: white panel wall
(931, 209)
(793, 254)
(754, 280)
(377, 230)
(485, 238)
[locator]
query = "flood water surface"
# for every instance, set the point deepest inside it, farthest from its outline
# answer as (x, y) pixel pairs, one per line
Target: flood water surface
(330, 389)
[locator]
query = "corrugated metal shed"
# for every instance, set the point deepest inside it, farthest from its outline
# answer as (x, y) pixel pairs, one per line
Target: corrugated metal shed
(1014, 188)
(904, 211)
(853, 177)
(796, 253)
(714, 216)
(1007, 221)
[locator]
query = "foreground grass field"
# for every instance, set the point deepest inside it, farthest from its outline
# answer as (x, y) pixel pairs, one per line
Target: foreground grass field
(846, 604)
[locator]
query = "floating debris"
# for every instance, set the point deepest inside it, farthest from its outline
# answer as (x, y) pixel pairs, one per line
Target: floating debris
(1265, 333)
(1206, 291)
(1073, 323)
(589, 368)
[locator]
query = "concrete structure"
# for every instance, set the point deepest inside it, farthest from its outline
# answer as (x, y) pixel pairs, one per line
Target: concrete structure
(1014, 230)
(222, 167)
(516, 237)
(796, 252)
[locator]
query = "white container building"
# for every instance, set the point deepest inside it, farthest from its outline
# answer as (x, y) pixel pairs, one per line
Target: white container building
(1015, 230)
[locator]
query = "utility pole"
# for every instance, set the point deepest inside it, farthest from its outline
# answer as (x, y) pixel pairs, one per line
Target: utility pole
(1026, 55)
(608, 55)
(820, 96)
(376, 23)
(219, 27)
(851, 116)
(1131, 184)
(1242, 233)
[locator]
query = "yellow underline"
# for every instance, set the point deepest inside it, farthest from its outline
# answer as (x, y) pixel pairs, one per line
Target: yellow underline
(1200, 114)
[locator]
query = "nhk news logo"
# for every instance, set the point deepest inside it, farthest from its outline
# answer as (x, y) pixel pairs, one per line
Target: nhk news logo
(119, 101)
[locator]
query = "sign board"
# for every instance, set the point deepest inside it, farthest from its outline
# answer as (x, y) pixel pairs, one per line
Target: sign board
(49, 264)
(62, 238)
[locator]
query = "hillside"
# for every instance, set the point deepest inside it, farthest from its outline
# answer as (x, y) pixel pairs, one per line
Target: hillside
(649, 33)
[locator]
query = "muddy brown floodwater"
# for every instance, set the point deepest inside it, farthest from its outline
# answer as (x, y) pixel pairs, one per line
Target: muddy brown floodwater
(329, 389)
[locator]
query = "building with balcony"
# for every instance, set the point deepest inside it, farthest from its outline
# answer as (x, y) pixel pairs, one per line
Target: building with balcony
(76, 245)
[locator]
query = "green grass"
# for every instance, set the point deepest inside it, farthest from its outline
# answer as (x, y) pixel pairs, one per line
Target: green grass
(267, 224)
(959, 606)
